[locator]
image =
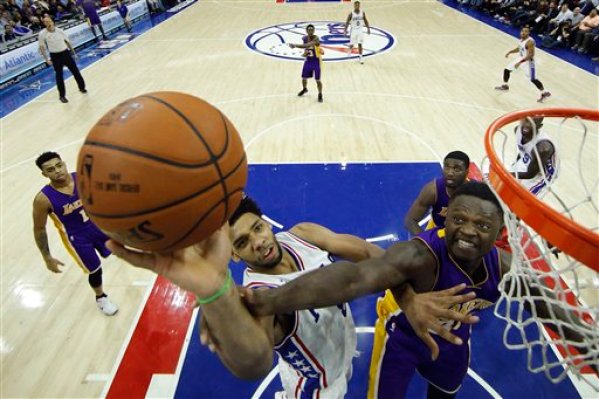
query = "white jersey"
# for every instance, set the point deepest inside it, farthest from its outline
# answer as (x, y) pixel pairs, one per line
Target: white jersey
(522, 50)
(539, 183)
(357, 20)
(315, 357)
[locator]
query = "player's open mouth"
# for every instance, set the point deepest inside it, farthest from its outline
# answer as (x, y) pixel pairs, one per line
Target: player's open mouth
(268, 254)
(465, 244)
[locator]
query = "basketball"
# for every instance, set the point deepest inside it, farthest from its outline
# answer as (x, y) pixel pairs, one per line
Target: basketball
(161, 171)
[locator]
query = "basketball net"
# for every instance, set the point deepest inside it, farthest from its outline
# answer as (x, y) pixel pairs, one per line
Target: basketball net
(554, 241)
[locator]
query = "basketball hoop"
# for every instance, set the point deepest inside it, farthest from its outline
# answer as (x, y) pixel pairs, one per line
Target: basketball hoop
(566, 222)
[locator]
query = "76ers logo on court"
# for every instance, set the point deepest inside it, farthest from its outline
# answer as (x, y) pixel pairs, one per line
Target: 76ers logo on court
(274, 41)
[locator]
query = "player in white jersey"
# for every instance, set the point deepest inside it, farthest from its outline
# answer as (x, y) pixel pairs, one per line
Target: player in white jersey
(357, 19)
(535, 149)
(526, 54)
(315, 346)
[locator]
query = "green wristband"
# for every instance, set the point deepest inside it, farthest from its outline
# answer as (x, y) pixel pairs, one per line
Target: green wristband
(221, 291)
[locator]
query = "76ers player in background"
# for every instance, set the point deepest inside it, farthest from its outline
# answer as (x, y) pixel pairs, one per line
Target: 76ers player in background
(357, 19)
(526, 54)
(81, 237)
(313, 62)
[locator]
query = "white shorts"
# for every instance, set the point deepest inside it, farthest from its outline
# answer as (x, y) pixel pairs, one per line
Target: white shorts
(530, 70)
(356, 36)
(538, 186)
(292, 383)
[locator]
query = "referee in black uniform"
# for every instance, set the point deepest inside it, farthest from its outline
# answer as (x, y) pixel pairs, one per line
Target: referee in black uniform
(53, 40)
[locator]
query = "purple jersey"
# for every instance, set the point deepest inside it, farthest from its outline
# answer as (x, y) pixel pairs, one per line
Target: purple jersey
(81, 237)
(450, 274)
(123, 10)
(67, 208)
(404, 353)
(440, 205)
(89, 8)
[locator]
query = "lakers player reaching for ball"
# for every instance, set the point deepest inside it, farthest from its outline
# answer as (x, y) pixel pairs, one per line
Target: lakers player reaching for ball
(81, 237)
(462, 252)
(315, 346)
(526, 54)
(313, 63)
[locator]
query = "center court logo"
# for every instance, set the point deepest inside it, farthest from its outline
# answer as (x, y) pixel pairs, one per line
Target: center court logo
(274, 41)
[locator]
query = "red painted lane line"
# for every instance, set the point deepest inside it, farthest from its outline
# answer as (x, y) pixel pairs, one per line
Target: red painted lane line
(156, 344)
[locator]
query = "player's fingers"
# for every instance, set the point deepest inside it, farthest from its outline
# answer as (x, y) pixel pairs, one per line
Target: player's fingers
(430, 342)
(139, 259)
(456, 299)
(446, 335)
(456, 289)
(457, 316)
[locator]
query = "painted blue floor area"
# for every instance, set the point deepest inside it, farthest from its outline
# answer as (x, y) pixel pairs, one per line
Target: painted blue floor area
(33, 86)
(367, 200)
(581, 61)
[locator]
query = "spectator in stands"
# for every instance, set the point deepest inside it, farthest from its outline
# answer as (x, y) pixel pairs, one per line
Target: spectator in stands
(558, 37)
(563, 15)
(542, 20)
(588, 5)
(34, 24)
(55, 41)
(586, 25)
(526, 13)
(589, 40)
(576, 17)
(93, 19)
(9, 34)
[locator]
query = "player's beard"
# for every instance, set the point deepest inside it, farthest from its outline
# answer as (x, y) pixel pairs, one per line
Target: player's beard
(272, 264)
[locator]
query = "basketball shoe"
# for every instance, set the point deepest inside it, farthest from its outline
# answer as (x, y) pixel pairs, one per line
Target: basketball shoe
(107, 307)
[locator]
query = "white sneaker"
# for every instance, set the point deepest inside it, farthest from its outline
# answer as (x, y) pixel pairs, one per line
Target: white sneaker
(107, 307)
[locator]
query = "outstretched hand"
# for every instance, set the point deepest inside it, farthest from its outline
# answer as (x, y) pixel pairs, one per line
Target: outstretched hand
(424, 312)
(201, 268)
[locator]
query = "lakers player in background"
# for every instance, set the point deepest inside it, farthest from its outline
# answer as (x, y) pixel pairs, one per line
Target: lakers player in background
(83, 240)
(357, 19)
(526, 55)
(315, 346)
(313, 63)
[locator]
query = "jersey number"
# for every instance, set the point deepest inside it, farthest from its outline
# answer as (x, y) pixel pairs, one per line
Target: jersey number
(316, 316)
(84, 216)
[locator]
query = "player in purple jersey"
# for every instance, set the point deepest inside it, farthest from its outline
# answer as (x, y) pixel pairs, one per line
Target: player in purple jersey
(88, 8)
(462, 252)
(435, 195)
(60, 201)
(313, 62)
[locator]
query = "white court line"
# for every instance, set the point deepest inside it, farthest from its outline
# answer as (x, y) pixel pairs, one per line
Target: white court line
(271, 221)
(370, 330)
(97, 377)
(127, 339)
(388, 237)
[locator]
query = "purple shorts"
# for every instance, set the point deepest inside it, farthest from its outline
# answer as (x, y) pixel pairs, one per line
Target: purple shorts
(311, 69)
(404, 354)
(85, 243)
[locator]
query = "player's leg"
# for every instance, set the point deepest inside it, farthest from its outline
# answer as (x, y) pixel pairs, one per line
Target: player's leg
(306, 73)
(506, 75)
(533, 78)
(318, 81)
(445, 375)
(83, 249)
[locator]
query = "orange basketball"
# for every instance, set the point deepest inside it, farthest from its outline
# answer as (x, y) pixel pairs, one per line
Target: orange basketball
(161, 171)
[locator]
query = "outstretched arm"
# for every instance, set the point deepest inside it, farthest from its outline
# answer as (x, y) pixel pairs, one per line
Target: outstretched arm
(425, 200)
(346, 246)
(344, 281)
(203, 270)
(367, 23)
(310, 44)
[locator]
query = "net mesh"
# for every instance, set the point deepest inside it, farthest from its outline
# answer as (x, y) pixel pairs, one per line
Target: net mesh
(541, 274)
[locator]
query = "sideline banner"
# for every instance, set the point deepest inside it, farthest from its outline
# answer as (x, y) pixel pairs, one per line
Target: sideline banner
(22, 59)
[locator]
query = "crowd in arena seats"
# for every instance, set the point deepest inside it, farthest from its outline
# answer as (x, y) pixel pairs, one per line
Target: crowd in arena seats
(22, 18)
(570, 24)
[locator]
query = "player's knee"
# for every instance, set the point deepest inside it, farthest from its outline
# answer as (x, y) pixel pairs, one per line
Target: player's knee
(95, 278)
